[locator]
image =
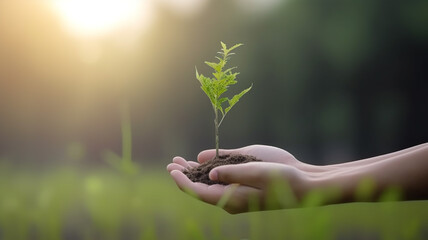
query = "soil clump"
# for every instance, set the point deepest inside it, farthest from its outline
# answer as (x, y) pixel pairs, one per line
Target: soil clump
(200, 173)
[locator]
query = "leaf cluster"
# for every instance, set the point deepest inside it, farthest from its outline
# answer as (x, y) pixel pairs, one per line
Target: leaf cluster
(222, 78)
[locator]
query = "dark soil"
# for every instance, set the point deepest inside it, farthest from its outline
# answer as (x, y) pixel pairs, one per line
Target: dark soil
(200, 173)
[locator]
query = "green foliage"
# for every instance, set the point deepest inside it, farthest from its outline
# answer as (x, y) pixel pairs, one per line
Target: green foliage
(124, 163)
(217, 85)
(88, 203)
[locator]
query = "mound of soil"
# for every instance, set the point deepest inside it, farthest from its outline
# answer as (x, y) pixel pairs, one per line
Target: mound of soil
(200, 173)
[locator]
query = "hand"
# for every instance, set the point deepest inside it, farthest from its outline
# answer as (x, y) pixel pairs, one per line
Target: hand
(249, 183)
(262, 152)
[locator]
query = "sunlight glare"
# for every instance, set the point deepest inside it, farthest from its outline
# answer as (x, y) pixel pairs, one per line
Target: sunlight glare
(98, 17)
(186, 8)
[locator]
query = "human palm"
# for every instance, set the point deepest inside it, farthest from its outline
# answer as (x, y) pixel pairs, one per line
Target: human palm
(246, 181)
(406, 168)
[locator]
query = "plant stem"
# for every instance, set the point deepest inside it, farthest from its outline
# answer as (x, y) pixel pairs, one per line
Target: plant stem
(216, 133)
(126, 134)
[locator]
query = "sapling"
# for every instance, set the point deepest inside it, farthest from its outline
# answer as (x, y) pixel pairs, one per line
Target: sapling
(217, 85)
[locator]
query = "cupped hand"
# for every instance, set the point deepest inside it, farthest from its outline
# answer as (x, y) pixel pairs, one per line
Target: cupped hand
(248, 183)
(262, 152)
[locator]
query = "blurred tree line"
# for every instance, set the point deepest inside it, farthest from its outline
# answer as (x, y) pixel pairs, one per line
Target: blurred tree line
(333, 81)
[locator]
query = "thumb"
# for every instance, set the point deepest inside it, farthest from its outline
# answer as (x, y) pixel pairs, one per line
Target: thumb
(207, 155)
(249, 174)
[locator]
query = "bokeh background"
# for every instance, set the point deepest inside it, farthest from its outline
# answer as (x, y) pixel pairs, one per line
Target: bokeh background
(97, 96)
(333, 81)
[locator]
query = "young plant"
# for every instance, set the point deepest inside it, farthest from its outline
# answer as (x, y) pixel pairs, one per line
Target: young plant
(217, 85)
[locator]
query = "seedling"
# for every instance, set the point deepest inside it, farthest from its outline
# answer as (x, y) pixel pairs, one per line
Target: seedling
(219, 84)
(124, 163)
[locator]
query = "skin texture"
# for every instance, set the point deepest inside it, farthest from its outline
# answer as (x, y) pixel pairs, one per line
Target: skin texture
(250, 184)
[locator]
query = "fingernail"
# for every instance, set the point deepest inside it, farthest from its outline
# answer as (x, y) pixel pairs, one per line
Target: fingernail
(213, 175)
(174, 172)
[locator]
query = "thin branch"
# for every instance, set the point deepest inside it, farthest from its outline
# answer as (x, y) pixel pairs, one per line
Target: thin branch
(222, 119)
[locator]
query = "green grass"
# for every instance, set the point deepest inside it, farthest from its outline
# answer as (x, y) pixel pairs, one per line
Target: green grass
(73, 203)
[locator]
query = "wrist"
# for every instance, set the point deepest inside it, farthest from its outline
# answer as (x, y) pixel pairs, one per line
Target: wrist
(310, 168)
(331, 185)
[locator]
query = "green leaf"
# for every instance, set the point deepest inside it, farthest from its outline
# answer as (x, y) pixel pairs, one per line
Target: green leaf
(229, 70)
(207, 87)
(219, 88)
(218, 75)
(218, 106)
(236, 98)
(222, 100)
(216, 66)
(220, 82)
(211, 64)
(223, 45)
(199, 77)
(235, 46)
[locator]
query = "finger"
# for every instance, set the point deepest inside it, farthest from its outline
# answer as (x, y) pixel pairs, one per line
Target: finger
(174, 166)
(181, 161)
(193, 164)
(207, 155)
(249, 174)
(238, 197)
(208, 193)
